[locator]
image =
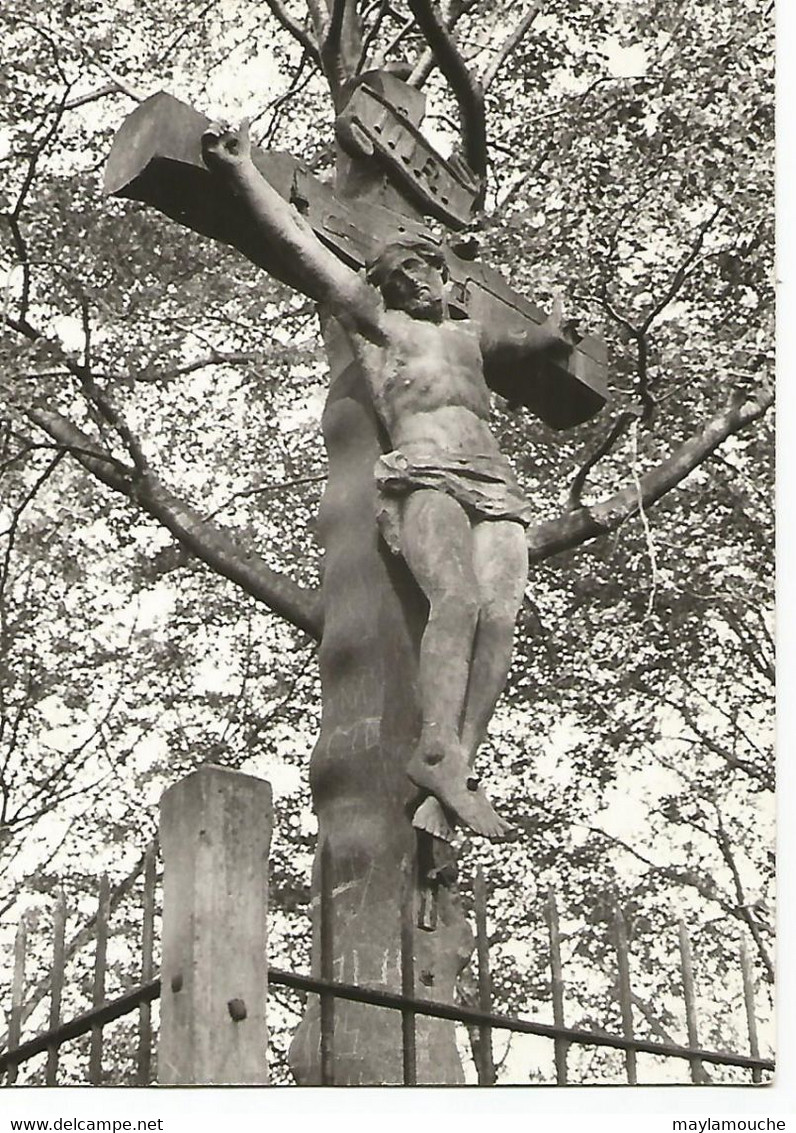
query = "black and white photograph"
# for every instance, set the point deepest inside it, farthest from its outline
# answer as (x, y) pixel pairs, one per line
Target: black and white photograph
(387, 636)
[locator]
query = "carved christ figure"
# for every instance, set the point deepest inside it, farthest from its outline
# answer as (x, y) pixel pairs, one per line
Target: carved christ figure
(449, 502)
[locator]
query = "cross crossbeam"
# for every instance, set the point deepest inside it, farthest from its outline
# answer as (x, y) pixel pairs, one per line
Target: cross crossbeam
(156, 158)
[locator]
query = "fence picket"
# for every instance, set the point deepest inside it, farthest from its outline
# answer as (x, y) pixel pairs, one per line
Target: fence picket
(144, 1058)
(408, 1037)
(625, 994)
(17, 996)
(557, 986)
(487, 1061)
(686, 965)
(327, 967)
(57, 977)
(98, 991)
(749, 1003)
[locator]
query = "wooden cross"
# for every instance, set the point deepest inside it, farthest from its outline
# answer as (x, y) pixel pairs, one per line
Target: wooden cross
(388, 182)
(156, 158)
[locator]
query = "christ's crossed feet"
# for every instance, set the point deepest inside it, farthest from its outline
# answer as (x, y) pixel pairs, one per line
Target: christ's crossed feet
(446, 775)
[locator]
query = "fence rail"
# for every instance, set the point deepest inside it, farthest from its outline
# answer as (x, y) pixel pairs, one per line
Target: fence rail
(87, 1023)
(378, 997)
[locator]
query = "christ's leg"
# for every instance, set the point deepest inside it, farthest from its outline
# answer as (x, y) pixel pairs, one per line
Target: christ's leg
(437, 544)
(500, 561)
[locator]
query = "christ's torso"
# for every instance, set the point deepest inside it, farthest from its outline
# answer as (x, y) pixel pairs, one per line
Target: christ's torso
(428, 385)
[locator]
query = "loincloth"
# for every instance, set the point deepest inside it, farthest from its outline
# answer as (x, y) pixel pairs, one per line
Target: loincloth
(483, 484)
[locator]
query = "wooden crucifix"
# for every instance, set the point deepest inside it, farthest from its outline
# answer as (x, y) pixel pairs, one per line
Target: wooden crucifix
(422, 519)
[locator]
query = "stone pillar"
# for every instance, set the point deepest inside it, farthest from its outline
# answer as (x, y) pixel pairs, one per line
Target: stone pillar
(215, 833)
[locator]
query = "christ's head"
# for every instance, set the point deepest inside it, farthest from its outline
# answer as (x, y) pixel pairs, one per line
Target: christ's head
(411, 276)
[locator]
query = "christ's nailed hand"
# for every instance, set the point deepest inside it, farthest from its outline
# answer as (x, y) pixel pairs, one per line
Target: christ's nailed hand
(225, 148)
(561, 335)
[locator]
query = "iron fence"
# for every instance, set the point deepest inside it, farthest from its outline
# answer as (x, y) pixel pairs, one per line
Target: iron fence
(482, 1018)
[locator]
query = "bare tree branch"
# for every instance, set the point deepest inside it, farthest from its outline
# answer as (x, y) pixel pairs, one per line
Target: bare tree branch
(333, 39)
(639, 336)
(509, 44)
(557, 141)
(427, 62)
(101, 400)
(12, 889)
(319, 14)
(679, 276)
(190, 25)
(338, 33)
(276, 106)
(620, 319)
(761, 772)
(100, 92)
(17, 512)
(215, 358)
(659, 1030)
(63, 775)
(214, 546)
(645, 397)
(208, 542)
(762, 775)
(380, 58)
(681, 875)
(575, 528)
(300, 34)
(466, 88)
(617, 428)
(752, 651)
(731, 716)
(13, 216)
(22, 821)
(369, 37)
(65, 35)
(267, 489)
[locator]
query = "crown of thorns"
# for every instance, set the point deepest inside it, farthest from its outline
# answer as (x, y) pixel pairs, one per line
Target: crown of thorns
(392, 255)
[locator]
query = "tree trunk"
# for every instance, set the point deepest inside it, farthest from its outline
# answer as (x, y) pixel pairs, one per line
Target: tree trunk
(374, 616)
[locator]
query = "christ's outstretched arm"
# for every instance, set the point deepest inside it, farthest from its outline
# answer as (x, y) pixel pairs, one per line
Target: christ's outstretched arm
(550, 340)
(324, 278)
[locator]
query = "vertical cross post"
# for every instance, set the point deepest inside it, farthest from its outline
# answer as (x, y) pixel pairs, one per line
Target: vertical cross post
(215, 835)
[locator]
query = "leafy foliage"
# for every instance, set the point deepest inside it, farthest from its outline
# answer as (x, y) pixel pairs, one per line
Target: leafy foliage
(630, 150)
